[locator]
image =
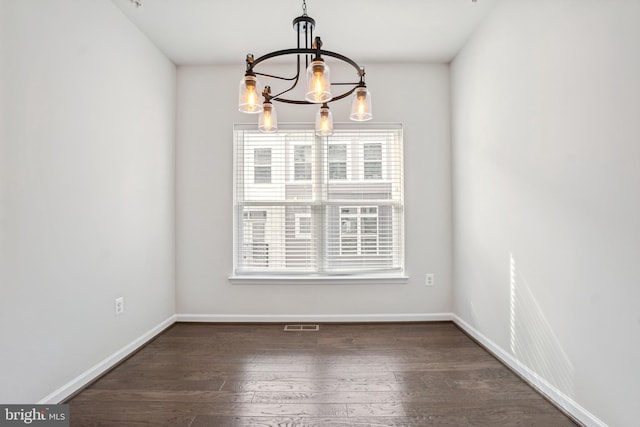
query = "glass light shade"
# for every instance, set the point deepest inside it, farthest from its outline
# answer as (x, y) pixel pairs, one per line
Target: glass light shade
(361, 105)
(248, 99)
(268, 119)
(318, 82)
(324, 122)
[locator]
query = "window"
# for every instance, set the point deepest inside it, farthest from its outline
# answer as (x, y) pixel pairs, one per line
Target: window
(337, 159)
(319, 206)
(359, 231)
(262, 165)
(255, 239)
(302, 162)
(303, 226)
(372, 161)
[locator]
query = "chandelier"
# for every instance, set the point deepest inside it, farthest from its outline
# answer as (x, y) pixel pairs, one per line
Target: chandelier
(318, 83)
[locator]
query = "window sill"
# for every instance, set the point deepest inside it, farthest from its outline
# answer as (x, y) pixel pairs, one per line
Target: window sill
(319, 280)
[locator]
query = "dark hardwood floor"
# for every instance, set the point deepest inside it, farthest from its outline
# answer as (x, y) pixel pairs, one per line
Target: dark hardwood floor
(391, 375)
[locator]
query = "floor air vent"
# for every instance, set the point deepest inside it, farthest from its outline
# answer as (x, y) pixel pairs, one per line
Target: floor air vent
(298, 328)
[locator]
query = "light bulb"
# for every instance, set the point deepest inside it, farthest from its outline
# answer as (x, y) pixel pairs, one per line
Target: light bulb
(324, 121)
(361, 105)
(318, 82)
(252, 98)
(268, 120)
(248, 100)
(317, 78)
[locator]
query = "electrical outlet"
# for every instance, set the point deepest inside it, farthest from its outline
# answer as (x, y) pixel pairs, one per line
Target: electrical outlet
(119, 306)
(430, 279)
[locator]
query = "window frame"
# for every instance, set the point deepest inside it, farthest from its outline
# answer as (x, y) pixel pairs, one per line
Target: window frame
(318, 156)
(359, 233)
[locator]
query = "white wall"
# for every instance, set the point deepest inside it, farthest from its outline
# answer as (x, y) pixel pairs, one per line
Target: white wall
(546, 154)
(207, 110)
(86, 198)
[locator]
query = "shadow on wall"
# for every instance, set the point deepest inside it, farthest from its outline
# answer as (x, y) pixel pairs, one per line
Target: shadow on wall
(532, 340)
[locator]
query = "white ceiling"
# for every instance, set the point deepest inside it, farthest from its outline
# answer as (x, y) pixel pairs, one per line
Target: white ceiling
(216, 31)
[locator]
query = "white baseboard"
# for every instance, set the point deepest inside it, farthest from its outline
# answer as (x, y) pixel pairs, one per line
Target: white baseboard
(94, 372)
(535, 380)
(319, 318)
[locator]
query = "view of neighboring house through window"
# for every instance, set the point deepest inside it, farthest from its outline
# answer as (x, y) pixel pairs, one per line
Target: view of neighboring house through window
(319, 205)
(337, 159)
(254, 224)
(372, 161)
(262, 165)
(359, 230)
(302, 162)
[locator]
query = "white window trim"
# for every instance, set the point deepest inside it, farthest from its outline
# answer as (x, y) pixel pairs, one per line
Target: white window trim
(387, 279)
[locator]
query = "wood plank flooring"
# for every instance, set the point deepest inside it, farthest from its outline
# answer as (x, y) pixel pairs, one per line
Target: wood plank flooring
(346, 375)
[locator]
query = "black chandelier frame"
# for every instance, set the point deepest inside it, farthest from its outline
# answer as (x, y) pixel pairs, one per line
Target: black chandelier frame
(303, 25)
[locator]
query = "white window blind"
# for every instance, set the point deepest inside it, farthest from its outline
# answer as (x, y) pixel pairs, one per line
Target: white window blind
(318, 205)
